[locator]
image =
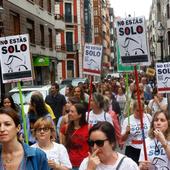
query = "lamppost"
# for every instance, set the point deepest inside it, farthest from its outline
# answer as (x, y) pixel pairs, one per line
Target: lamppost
(160, 32)
(1, 33)
(77, 58)
(152, 52)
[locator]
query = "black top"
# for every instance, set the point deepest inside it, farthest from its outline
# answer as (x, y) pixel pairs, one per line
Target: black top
(56, 103)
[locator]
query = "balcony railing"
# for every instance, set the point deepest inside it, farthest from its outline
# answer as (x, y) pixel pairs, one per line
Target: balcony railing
(66, 47)
(59, 17)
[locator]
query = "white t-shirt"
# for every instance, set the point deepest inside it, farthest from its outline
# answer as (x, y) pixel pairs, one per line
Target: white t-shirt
(58, 153)
(135, 129)
(159, 158)
(94, 118)
(127, 163)
(154, 106)
(121, 100)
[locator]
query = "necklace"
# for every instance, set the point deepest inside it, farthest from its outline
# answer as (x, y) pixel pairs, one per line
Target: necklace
(157, 149)
(8, 160)
(75, 131)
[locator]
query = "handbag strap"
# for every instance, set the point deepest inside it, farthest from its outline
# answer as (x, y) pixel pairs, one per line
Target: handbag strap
(120, 162)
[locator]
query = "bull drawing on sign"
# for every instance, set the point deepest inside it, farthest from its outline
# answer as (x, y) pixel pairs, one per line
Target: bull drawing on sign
(129, 42)
(166, 81)
(93, 64)
(10, 62)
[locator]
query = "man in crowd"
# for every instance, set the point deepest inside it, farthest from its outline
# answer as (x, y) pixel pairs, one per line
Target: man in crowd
(56, 100)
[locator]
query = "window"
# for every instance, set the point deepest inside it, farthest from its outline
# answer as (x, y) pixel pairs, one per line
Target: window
(1, 3)
(70, 69)
(30, 30)
(168, 12)
(31, 1)
(49, 6)
(69, 41)
(50, 37)
(111, 31)
(96, 29)
(42, 35)
(14, 23)
(68, 13)
(41, 3)
(168, 37)
(95, 12)
(111, 18)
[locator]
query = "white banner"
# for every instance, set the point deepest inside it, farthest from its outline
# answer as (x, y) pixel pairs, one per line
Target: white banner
(15, 58)
(163, 77)
(92, 59)
(132, 41)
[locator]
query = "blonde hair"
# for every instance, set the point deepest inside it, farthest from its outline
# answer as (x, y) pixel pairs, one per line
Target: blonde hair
(46, 122)
(106, 103)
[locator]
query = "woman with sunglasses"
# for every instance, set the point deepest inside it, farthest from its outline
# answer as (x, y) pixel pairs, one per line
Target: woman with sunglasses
(157, 144)
(44, 132)
(103, 155)
(14, 154)
(75, 135)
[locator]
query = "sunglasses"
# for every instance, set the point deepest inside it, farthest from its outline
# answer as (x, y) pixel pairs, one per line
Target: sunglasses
(45, 129)
(99, 143)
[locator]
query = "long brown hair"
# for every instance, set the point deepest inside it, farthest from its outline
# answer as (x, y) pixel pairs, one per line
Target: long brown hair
(151, 131)
(81, 110)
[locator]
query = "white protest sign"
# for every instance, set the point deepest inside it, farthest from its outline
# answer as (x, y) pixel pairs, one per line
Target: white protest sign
(163, 77)
(92, 59)
(15, 58)
(132, 41)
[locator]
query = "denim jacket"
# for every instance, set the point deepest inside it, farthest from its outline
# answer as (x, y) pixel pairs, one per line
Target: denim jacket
(35, 158)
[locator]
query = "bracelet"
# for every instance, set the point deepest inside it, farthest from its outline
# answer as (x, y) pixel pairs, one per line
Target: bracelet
(165, 145)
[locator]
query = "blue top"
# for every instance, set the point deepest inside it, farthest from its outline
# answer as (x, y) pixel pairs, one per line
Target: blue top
(34, 159)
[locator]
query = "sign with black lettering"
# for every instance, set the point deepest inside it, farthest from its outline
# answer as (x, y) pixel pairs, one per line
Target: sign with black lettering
(132, 41)
(92, 59)
(15, 58)
(163, 77)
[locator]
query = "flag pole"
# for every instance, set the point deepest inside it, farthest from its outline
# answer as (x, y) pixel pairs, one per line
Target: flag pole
(140, 111)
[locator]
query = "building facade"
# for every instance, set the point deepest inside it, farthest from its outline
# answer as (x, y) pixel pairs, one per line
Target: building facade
(159, 16)
(36, 18)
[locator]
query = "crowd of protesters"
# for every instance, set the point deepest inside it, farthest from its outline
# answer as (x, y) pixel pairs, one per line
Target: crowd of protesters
(70, 132)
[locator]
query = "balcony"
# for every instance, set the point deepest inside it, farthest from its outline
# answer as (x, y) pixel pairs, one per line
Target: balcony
(61, 52)
(58, 1)
(59, 23)
(60, 48)
(70, 48)
(168, 23)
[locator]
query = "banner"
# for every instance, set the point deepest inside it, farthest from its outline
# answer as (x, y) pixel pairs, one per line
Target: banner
(15, 58)
(92, 59)
(132, 41)
(163, 77)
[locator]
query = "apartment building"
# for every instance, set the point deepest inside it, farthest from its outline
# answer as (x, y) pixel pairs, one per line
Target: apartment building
(102, 31)
(88, 21)
(37, 18)
(159, 16)
(72, 39)
(113, 58)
